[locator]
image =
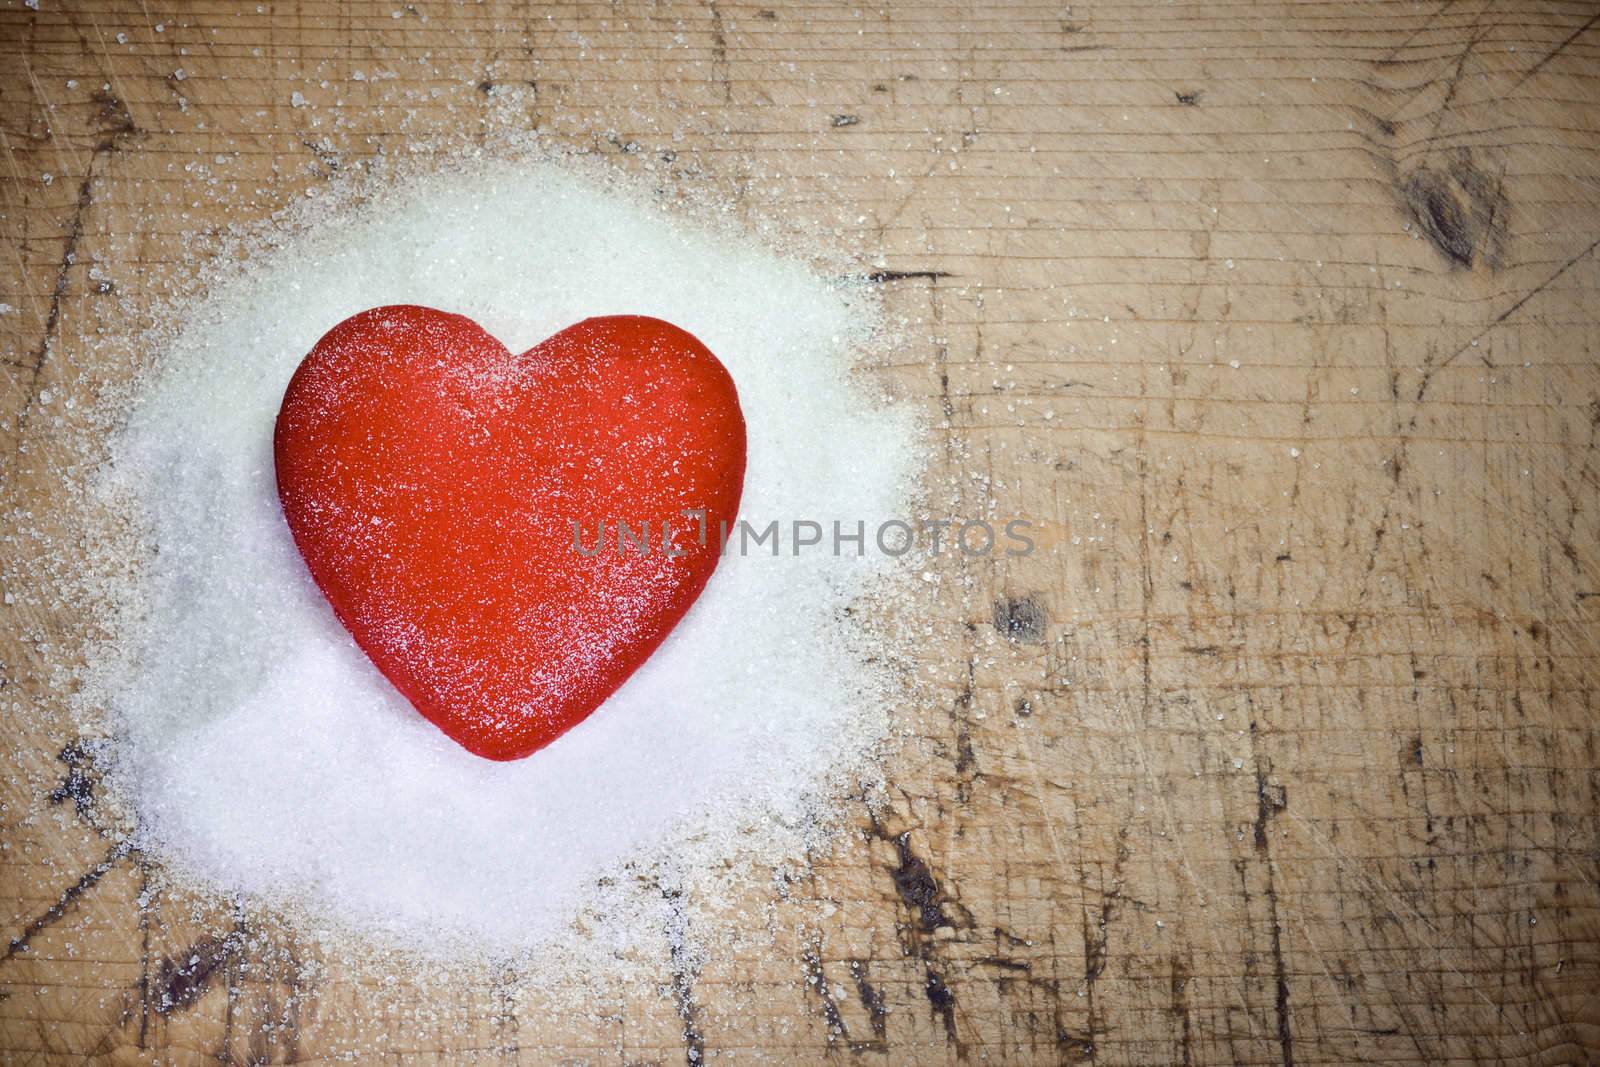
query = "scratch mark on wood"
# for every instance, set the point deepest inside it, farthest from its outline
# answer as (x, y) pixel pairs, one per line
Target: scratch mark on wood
(878, 277)
(1271, 799)
(1427, 24)
(115, 121)
(719, 51)
(1179, 988)
(943, 1002)
(684, 972)
(56, 911)
(871, 998)
(817, 980)
(1428, 373)
(146, 901)
(183, 978)
(231, 987)
(1556, 51)
(930, 907)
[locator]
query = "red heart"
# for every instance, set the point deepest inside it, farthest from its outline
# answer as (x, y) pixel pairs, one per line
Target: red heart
(431, 480)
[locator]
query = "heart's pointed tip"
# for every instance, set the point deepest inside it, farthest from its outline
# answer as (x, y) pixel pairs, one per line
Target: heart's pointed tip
(509, 754)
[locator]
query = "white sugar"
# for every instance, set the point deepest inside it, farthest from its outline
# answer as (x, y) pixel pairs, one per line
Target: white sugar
(260, 752)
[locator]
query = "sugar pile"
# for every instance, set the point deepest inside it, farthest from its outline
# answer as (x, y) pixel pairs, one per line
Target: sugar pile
(261, 753)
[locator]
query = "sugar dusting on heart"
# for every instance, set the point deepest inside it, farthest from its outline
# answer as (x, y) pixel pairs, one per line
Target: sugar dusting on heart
(257, 750)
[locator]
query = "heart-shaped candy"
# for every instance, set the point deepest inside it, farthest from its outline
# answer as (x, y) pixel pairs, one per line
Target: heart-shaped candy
(461, 507)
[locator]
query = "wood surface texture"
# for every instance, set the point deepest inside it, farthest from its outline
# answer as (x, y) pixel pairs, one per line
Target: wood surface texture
(1280, 319)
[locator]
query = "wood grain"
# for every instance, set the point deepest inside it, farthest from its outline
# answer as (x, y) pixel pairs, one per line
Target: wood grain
(1280, 318)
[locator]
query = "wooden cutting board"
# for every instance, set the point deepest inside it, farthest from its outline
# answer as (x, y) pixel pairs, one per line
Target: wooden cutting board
(1280, 319)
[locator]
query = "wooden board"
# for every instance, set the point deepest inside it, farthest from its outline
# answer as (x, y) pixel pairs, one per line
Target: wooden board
(1281, 318)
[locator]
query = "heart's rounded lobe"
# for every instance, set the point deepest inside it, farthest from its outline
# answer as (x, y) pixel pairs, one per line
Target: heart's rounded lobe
(449, 499)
